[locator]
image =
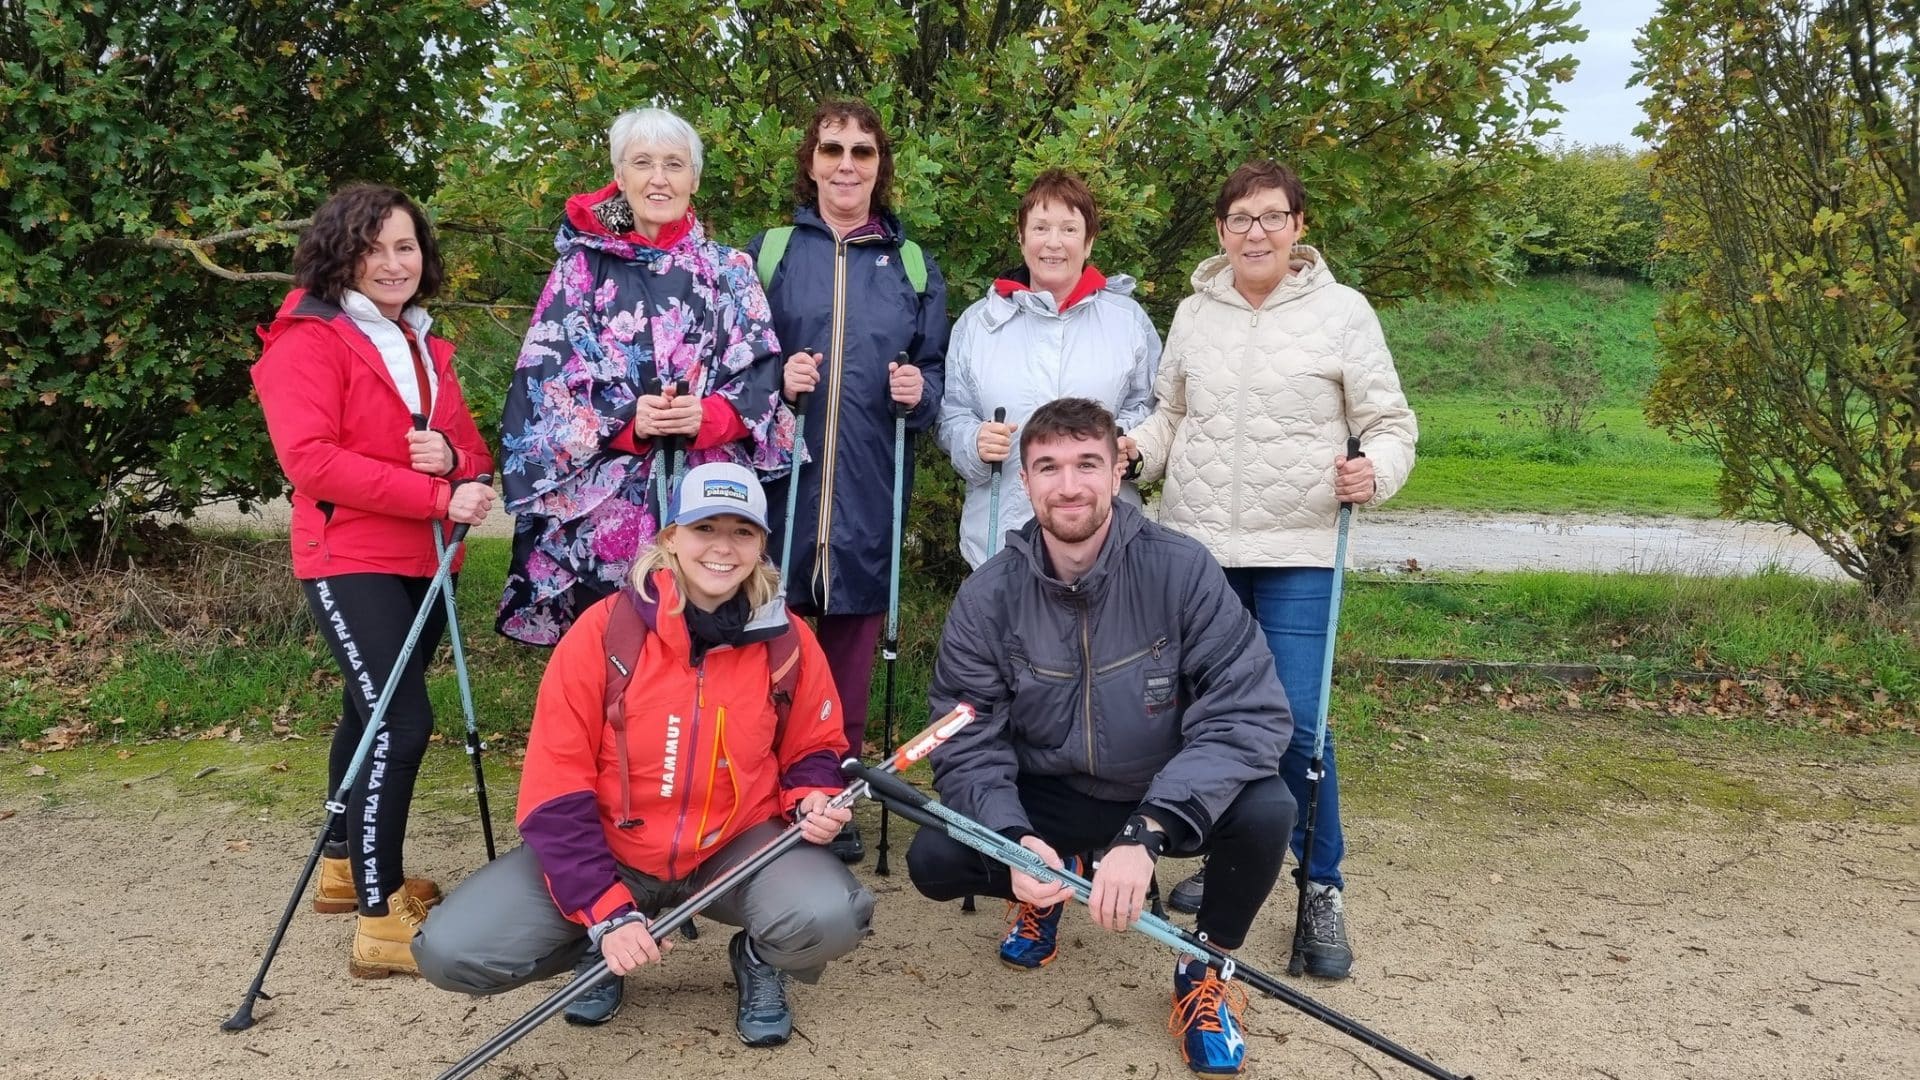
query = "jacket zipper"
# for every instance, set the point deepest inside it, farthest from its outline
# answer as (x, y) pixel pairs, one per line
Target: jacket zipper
(822, 549)
(686, 789)
(1125, 660)
(1239, 450)
(1086, 653)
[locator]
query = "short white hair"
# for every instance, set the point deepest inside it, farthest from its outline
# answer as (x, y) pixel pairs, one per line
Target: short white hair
(660, 126)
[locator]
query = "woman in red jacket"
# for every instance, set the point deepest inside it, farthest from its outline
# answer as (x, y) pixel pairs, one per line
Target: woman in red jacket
(629, 807)
(348, 364)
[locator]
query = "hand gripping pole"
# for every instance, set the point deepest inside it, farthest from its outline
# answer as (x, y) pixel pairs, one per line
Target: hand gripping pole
(912, 804)
(920, 746)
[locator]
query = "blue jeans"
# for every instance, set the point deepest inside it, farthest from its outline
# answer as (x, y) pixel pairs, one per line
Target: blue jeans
(1290, 604)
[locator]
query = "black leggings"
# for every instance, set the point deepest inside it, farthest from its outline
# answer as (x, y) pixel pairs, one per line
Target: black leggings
(1244, 854)
(364, 619)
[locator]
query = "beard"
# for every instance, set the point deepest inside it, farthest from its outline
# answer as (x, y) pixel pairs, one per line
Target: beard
(1073, 529)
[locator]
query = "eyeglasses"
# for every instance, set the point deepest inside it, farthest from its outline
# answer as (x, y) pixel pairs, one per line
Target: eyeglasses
(864, 153)
(674, 167)
(1271, 221)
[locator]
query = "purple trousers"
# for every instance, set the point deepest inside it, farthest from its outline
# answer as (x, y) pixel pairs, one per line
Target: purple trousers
(850, 642)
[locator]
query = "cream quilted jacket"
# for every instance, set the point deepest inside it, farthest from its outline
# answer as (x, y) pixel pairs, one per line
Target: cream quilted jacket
(1254, 405)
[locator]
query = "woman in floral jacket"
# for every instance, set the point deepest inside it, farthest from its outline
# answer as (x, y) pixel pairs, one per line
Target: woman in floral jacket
(639, 301)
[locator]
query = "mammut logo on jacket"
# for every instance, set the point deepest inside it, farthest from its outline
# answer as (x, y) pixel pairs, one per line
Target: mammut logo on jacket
(672, 756)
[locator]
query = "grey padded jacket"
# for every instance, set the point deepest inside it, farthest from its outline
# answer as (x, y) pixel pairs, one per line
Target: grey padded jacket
(1146, 680)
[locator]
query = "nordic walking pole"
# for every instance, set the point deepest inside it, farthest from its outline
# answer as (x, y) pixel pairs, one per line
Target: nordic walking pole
(890, 648)
(664, 469)
(993, 497)
(1316, 769)
(921, 745)
(793, 487)
(914, 805)
(242, 1018)
(474, 746)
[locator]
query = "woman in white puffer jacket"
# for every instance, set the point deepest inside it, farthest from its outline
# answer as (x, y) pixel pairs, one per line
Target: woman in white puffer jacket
(1056, 327)
(1270, 365)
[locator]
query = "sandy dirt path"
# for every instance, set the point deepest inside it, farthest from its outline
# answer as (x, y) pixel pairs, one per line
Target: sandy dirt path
(1627, 941)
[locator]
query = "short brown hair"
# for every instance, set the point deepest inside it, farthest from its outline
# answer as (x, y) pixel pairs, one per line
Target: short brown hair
(1060, 186)
(1260, 176)
(344, 229)
(1076, 417)
(844, 111)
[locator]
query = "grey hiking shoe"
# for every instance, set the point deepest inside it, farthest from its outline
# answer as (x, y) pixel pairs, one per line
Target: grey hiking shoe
(763, 1017)
(596, 1006)
(1186, 895)
(1323, 936)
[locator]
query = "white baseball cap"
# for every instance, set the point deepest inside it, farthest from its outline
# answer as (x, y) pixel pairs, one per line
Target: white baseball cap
(720, 487)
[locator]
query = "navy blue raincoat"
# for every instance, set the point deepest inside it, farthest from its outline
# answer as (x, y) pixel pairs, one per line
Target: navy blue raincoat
(850, 300)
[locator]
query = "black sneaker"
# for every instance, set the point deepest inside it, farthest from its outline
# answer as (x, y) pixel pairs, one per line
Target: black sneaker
(847, 846)
(762, 1017)
(598, 1005)
(1186, 895)
(1323, 936)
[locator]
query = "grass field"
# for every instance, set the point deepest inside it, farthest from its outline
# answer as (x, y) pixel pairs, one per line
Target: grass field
(1815, 641)
(1495, 384)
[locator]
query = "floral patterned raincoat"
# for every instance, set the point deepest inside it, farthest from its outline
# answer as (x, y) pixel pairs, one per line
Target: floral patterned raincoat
(620, 318)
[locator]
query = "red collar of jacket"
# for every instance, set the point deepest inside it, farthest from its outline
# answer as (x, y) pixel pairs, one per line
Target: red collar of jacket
(1091, 281)
(581, 216)
(303, 306)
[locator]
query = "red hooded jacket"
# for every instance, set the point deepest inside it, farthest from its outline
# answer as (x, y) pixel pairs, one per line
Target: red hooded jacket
(339, 428)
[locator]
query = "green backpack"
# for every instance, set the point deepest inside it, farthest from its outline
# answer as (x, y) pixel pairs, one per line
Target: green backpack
(912, 259)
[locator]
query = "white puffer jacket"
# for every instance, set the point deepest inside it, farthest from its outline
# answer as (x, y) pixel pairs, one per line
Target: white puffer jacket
(1019, 352)
(1252, 407)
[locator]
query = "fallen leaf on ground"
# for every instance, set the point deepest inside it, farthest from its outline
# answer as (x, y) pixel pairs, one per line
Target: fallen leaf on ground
(124, 754)
(1495, 879)
(279, 766)
(239, 845)
(5, 814)
(36, 770)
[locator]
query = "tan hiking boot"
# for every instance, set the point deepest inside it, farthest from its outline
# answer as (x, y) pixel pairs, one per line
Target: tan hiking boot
(336, 896)
(383, 944)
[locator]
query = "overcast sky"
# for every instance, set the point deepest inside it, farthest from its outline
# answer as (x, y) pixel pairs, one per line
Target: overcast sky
(1600, 108)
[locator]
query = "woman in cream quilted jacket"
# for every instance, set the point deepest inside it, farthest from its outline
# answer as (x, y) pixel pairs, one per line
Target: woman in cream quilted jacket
(1269, 366)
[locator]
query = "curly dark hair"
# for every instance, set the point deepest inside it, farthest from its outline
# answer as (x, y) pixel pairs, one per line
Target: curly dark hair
(327, 262)
(844, 111)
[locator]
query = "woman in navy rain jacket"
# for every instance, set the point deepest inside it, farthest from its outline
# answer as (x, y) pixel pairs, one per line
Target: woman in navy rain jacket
(850, 294)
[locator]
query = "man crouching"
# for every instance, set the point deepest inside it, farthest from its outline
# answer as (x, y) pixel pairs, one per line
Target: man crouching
(1126, 701)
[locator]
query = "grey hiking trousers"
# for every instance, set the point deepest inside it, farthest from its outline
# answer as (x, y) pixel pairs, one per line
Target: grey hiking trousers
(499, 928)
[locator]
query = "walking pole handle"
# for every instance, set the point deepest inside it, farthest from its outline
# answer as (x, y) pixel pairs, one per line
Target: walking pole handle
(460, 530)
(1353, 451)
(898, 410)
(999, 417)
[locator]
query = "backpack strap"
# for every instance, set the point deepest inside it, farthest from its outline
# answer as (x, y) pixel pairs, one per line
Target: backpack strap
(914, 262)
(771, 249)
(626, 636)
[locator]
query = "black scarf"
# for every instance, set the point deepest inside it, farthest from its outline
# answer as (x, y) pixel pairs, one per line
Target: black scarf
(724, 625)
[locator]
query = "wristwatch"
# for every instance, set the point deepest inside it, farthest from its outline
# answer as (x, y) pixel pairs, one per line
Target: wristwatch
(1136, 831)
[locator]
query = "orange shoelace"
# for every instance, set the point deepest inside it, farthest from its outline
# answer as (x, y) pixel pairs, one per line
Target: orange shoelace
(1201, 1006)
(1026, 918)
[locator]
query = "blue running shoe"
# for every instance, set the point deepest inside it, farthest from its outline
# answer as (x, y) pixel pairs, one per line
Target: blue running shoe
(1033, 938)
(1206, 1017)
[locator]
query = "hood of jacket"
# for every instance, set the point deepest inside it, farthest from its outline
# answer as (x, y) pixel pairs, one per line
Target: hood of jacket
(1125, 523)
(1002, 306)
(587, 226)
(1308, 274)
(881, 225)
